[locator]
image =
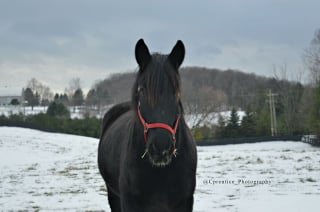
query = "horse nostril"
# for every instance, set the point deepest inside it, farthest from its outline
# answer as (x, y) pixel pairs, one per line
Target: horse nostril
(165, 153)
(158, 150)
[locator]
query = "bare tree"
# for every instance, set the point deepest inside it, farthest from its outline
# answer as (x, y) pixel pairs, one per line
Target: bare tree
(203, 104)
(46, 96)
(43, 91)
(74, 84)
(33, 84)
(290, 95)
(311, 58)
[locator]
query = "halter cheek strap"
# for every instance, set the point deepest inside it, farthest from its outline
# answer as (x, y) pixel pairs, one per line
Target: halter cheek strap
(147, 126)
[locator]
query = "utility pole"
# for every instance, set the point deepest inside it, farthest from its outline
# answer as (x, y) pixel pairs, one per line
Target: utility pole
(273, 118)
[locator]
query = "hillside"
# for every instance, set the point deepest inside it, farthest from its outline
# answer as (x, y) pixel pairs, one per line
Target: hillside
(206, 86)
(206, 91)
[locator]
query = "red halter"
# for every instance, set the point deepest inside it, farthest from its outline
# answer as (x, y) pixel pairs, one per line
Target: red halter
(147, 126)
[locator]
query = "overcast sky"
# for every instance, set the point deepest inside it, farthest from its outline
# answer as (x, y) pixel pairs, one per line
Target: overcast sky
(55, 41)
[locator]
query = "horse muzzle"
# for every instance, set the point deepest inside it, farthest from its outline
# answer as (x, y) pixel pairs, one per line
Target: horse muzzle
(160, 147)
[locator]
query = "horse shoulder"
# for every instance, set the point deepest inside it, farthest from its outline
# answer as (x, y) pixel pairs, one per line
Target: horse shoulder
(113, 114)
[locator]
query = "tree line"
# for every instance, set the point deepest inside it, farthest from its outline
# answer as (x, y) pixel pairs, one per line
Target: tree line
(204, 92)
(37, 94)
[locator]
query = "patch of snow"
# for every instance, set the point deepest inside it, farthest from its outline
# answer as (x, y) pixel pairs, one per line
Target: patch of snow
(75, 113)
(194, 120)
(51, 171)
(14, 110)
(269, 176)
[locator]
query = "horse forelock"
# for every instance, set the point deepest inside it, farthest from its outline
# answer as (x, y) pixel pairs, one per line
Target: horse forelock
(159, 78)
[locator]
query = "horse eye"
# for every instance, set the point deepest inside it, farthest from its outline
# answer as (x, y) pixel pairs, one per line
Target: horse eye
(178, 96)
(141, 91)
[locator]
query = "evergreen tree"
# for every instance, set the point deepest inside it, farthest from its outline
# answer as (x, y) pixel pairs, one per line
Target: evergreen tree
(36, 99)
(45, 102)
(92, 98)
(220, 131)
(232, 128)
(61, 98)
(31, 98)
(64, 99)
(14, 102)
(58, 110)
(77, 97)
(248, 124)
(56, 97)
(263, 123)
(28, 95)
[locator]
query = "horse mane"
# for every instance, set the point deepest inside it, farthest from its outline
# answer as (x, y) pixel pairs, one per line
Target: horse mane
(115, 112)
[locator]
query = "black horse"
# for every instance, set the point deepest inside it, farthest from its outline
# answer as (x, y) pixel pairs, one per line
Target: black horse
(147, 156)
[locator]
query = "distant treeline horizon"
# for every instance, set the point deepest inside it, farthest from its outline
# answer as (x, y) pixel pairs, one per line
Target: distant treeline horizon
(204, 91)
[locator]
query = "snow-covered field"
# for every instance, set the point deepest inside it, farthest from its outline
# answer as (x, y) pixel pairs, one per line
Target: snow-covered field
(48, 171)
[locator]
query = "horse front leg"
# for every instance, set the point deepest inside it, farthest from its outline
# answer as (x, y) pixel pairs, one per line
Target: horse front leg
(131, 203)
(142, 203)
(114, 201)
(185, 205)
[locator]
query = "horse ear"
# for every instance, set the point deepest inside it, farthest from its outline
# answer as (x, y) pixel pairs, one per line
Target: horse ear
(142, 54)
(177, 54)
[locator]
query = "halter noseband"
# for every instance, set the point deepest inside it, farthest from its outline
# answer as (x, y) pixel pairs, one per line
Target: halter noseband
(147, 126)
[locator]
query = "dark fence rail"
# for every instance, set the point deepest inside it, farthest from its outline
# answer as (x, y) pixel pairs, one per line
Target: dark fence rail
(311, 139)
(226, 141)
(8, 123)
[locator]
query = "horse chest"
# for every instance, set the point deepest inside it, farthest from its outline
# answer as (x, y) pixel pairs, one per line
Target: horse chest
(156, 191)
(160, 183)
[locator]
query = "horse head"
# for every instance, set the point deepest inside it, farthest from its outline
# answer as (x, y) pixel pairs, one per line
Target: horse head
(156, 97)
